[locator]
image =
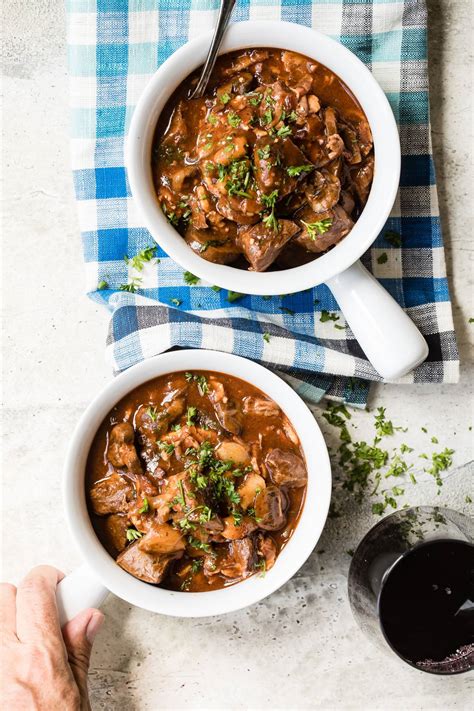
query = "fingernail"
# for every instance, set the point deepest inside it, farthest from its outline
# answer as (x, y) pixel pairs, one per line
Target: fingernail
(95, 623)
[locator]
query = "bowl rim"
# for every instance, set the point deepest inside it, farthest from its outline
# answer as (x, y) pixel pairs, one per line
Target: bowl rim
(322, 48)
(253, 589)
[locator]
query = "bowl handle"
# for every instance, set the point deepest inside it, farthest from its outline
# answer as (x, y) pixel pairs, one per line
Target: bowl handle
(78, 591)
(388, 337)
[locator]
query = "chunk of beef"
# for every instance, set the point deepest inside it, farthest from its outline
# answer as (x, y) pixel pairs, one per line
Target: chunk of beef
(259, 406)
(220, 147)
(270, 507)
(153, 421)
(273, 158)
(115, 531)
(121, 450)
(145, 566)
(352, 152)
(245, 60)
(250, 487)
(338, 225)
(266, 550)
(262, 245)
(364, 133)
(243, 210)
(322, 190)
(347, 201)
(228, 415)
(240, 559)
(286, 469)
(178, 127)
(111, 495)
(362, 177)
(216, 246)
(162, 539)
(239, 83)
(278, 103)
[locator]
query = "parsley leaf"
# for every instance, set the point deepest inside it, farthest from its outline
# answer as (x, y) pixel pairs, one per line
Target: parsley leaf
(190, 279)
(328, 316)
(317, 228)
(133, 535)
(296, 170)
(145, 506)
(393, 238)
(233, 296)
(102, 285)
(233, 119)
(382, 258)
(266, 337)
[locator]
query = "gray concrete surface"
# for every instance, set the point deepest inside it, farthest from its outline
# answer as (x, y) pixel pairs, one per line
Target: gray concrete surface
(300, 649)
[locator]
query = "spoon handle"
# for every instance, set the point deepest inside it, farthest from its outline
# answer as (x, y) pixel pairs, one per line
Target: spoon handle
(222, 21)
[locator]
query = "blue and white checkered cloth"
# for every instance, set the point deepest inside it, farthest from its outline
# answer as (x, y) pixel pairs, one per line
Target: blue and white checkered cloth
(114, 48)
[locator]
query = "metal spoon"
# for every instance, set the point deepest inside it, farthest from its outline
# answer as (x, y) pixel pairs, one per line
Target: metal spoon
(222, 21)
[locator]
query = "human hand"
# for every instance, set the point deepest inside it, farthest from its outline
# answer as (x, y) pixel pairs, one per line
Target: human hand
(42, 668)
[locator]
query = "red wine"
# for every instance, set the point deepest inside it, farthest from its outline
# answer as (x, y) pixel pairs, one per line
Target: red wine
(426, 603)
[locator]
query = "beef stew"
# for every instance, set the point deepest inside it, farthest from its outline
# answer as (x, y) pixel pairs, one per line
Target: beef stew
(271, 168)
(195, 481)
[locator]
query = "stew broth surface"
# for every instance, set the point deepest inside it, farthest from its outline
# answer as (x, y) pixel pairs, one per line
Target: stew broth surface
(195, 481)
(271, 168)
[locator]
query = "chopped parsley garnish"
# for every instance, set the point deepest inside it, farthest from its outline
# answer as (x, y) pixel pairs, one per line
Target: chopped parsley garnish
(440, 461)
(284, 131)
(233, 296)
(145, 506)
(152, 413)
(317, 228)
(383, 426)
(133, 535)
(190, 415)
(190, 279)
(267, 117)
(233, 119)
(261, 565)
(196, 543)
(266, 337)
(237, 516)
(255, 99)
(210, 243)
(238, 177)
(132, 286)
(264, 153)
(139, 260)
(102, 285)
(288, 311)
(269, 202)
(366, 467)
(196, 565)
(225, 98)
(393, 238)
(176, 302)
(468, 499)
(296, 170)
(167, 447)
(216, 288)
(200, 380)
(382, 258)
(328, 316)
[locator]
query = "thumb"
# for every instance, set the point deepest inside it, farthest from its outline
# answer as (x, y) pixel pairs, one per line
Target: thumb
(79, 636)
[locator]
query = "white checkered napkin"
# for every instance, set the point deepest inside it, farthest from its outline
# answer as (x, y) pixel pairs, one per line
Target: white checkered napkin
(114, 48)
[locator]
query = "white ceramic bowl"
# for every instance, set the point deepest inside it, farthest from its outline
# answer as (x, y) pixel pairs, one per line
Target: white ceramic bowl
(88, 585)
(350, 69)
(389, 339)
